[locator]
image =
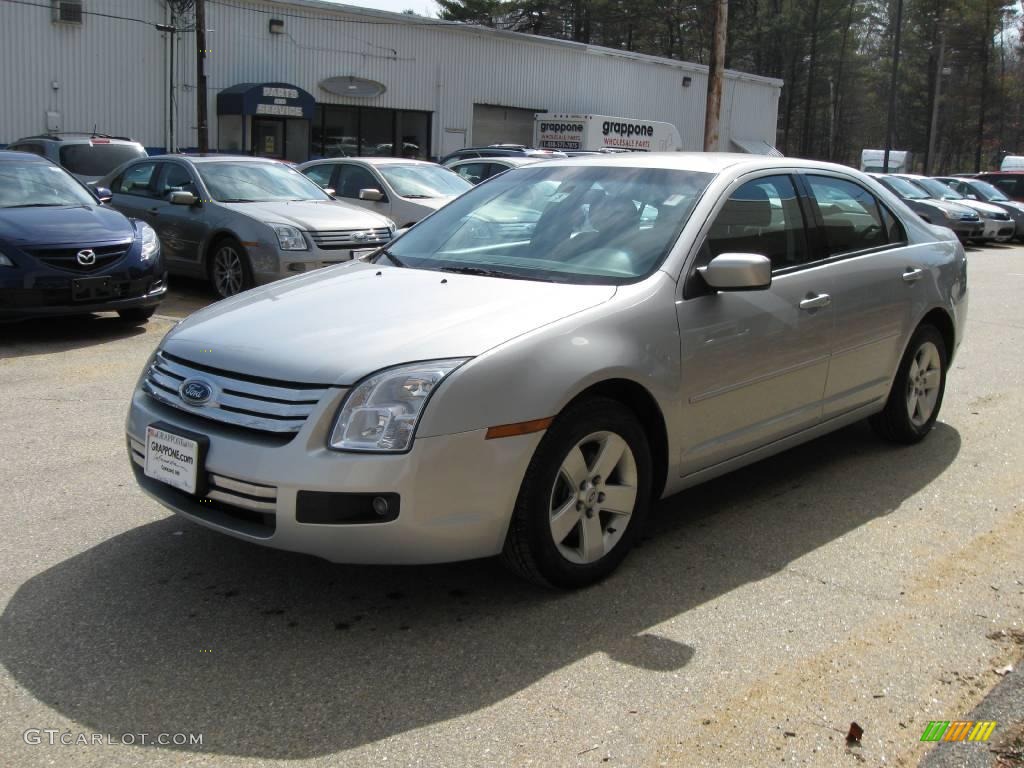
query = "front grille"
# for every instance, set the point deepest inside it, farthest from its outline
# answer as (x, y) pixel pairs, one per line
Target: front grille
(67, 258)
(999, 216)
(333, 239)
(243, 401)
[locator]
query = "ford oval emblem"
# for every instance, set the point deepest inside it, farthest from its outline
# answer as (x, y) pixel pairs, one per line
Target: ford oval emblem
(362, 237)
(195, 392)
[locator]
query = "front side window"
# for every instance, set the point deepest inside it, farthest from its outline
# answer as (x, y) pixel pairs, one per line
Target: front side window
(903, 188)
(851, 216)
(938, 190)
(177, 179)
(606, 225)
(257, 182)
(985, 190)
(764, 217)
(321, 174)
(137, 180)
(352, 178)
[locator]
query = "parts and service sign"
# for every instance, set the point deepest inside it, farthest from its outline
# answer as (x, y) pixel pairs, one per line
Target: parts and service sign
(172, 459)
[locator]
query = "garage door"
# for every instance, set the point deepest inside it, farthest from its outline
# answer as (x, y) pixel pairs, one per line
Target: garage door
(502, 125)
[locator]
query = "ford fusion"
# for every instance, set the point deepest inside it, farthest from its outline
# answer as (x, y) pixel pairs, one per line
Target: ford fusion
(526, 386)
(64, 253)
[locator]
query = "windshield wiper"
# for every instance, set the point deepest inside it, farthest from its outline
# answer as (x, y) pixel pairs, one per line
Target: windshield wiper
(491, 273)
(385, 252)
(41, 205)
(235, 200)
(418, 197)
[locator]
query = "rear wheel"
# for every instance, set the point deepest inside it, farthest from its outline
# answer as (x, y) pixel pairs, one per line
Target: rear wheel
(583, 498)
(916, 394)
(230, 271)
(136, 314)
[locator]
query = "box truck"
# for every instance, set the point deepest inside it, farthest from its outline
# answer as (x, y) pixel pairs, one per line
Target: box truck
(871, 161)
(593, 132)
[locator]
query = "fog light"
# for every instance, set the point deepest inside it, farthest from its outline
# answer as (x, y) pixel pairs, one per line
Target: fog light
(380, 506)
(297, 267)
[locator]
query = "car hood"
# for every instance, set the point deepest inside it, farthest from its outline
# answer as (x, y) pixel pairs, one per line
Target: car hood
(311, 215)
(339, 324)
(980, 207)
(947, 206)
(433, 203)
(73, 224)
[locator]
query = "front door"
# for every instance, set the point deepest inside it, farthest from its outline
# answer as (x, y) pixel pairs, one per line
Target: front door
(181, 228)
(754, 363)
(268, 137)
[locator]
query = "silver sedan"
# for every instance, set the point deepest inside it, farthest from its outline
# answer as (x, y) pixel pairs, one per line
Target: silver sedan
(526, 386)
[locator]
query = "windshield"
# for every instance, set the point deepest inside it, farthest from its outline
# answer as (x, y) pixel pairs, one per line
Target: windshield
(574, 224)
(98, 159)
(257, 183)
(904, 188)
(423, 180)
(987, 191)
(938, 190)
(38, 185)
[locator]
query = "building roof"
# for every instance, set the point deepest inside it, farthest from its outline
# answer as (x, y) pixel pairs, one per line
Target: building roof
(372, 15)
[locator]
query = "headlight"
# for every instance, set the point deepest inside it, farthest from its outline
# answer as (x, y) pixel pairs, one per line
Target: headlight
(380, 414)
(150, 242)
(289, 238)
(5, 262)
(954, 215)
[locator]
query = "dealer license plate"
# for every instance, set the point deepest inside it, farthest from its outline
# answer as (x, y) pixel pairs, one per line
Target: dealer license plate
(91, 288)
(172, 459)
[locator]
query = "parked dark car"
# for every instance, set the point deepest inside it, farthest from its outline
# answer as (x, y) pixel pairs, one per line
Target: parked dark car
(86, 156)
(63, 252)
(965, 222)
(976, 189)
(1010, 183)
(501, 150)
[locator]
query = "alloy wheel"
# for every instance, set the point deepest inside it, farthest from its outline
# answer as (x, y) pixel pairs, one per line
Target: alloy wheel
(923, 382)
(228, 272)
(593, 497)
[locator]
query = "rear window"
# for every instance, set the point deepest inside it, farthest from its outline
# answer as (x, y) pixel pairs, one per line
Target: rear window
(98, 159)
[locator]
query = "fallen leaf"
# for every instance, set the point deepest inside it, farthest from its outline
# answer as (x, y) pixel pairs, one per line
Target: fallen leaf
(854, 733)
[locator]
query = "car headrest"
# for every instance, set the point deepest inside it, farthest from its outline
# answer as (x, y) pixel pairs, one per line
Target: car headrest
(614, 214)
(747, 206)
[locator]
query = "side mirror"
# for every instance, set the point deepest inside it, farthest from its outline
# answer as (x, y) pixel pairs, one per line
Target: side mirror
(738, 272)
(181, 197)
(104, 194)
(373, 195)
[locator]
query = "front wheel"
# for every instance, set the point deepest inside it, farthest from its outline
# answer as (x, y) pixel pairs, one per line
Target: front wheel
(230, 272)
(583, 498)
(916, 394)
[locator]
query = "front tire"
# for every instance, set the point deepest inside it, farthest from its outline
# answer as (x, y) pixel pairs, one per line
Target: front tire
(583, 499)
(230, 271)
(916, 394)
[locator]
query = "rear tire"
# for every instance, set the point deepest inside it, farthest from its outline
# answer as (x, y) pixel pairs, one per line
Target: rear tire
(136, 314)
(583, 499)
(916, 394)
(229, 268)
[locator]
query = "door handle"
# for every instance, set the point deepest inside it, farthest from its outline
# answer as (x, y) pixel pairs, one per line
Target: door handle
(912, 274)
(816, 302)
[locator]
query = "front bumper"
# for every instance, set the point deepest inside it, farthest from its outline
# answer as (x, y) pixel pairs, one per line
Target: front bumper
(456, 491)
(27, 303)
(270, 263)
(966, 230)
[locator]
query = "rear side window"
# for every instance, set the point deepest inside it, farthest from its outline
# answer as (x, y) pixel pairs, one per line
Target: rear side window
(474, 173)
(137, 180)
(853, 220)
(97, 159)
(762, 216)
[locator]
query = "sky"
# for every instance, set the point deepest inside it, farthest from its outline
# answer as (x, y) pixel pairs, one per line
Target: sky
(422, 7)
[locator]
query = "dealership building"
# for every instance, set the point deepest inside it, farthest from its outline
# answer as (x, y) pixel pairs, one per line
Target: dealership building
(307, 78)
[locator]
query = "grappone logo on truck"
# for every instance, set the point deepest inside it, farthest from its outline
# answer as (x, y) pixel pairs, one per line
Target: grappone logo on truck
(562, 127)
(627, 129)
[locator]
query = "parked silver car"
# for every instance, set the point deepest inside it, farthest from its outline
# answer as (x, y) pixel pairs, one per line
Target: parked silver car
(997, 223)
(241, 221)
(477, 390)
(403, 190)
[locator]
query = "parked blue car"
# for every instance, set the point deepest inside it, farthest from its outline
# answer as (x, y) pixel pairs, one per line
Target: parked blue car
(63, 252)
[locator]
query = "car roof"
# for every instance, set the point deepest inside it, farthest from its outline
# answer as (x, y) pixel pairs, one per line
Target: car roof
(78, 138)
(371, 161)
(511, 160)
(704, 162)
(216, 158)
(11, 156)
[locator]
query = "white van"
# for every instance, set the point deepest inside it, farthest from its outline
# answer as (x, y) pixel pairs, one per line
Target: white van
(871, 161)
(592, 132)
(1012, 163)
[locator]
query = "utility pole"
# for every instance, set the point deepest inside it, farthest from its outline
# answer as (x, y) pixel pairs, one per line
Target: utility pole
(890, 127)
(983, 105)
(171, 29)
(929, 159)
(715, 76)
(201, 128)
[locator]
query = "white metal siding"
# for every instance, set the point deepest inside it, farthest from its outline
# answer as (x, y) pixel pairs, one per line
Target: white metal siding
(112, 72)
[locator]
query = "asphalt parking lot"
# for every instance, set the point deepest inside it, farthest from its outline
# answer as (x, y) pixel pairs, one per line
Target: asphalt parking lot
(846, 580)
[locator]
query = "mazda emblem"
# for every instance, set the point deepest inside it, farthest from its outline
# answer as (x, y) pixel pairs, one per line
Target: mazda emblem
(86, 258)
(195, 392)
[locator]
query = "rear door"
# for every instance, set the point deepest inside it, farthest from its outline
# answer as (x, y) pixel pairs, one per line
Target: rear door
(135, 190)
(874, 274)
